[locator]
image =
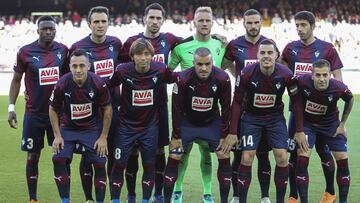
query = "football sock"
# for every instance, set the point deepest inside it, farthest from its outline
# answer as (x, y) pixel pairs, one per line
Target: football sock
(86, 175)
(343, 179)
(328, 166)
(302, 177)
(244, 180)
(292, 176)
(61, 176)
(170, 177)
(117, 180)
(148, 179)
(281, 179)
(32, 172)
(159, 173)
(100, 181)
(205, 166)
(131, 172)
(224, 177)
(264, 173)
(235, 165)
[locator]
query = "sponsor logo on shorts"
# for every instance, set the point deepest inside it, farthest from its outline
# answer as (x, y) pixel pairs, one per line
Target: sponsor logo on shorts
(104, 68)
(264, 100)
(80, 111)
(49, 75)
(302, 68)
(315, 108)
(159, 58)
(248, 62)
(142, 97)
(201, 104)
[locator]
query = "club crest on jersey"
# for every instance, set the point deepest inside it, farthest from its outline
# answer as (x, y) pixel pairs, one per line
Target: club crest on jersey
(49, 75)
(58, 55)
(159, 58)
(302, 68)
(214, 87)
(91, 93)
(278, 85)
(162, 43)
(104, 68)
(317, 53)
(201, 104)
(248, 62)
(111, 48)
(264, 100)
(80, 111)
(330, 98)
(142, 97)
(315, 108)
(154, 79)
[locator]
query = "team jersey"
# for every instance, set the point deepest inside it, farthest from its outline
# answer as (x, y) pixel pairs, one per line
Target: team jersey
(320, 107)
(140, 93)
(183, 53)
(263, 94)
(198, 100)
(243, 52)
(300, 57)
(103, 57)
(80, 107)
(162, 44)
(42, 68)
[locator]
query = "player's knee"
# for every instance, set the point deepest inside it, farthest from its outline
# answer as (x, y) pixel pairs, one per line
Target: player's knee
(33, 156)
(175, 156)
(247, 158)
(281, 159)
(340, 155)
(221, 155)
(160, 151)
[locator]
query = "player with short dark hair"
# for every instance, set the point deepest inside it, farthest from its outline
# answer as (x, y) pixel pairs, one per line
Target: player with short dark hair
(80, 112)
(104, 53)
(141, 82)
(262, 86)
(163, 43)
(299, 56)
(243, 50)
(43, 62)
(196, 115)
(320, 94)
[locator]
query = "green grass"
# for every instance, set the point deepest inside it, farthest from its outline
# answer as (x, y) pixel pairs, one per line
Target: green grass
(12, 168)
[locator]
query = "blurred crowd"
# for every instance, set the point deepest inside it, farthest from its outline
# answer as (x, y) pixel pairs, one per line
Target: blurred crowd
(337, 22)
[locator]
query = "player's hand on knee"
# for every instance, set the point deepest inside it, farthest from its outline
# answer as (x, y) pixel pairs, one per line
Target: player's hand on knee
(341, 130)
(175, 143)
(301, 142)
(12, 119)
(230, 140)
(101, 146)
(58, 144)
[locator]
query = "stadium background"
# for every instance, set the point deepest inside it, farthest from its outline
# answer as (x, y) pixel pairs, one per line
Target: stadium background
(338, 21)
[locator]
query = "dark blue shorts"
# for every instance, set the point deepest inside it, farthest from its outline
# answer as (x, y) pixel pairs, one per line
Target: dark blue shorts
(252, 128)
(316, 134)
(86, 138)
(163, 125)
(126, 140)
(210, 133)
(34, 128)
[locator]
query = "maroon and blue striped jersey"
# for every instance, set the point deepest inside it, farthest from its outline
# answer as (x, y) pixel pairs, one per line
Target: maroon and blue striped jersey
(42, 68)
(80, 107)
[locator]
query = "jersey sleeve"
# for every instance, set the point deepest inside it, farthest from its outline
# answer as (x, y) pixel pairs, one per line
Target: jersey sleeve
(56, 98)
(124, 56)
(116, 79)
(65, 66)
(225, 98)
(19, 66)
(174, 58)
(346, 94)
(104, 95)
(178, 102)
(285, 55)
(240, 87)
(229, 51)
(296, 100)
(334, 59)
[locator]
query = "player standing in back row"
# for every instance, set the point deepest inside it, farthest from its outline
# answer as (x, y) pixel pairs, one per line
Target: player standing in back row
(43, 62)
(299, 56)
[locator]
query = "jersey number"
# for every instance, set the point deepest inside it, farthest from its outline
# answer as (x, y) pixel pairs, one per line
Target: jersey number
(247, 141)
(117, 154)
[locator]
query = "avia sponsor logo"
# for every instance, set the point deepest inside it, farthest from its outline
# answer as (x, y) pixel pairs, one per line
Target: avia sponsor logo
(159, 58)
(80, 111)
(302, 68)
(104, 68)
(248, 62)
(142, 97)
(264, 100)
(315, 108)
(49, 75)
(201, 104)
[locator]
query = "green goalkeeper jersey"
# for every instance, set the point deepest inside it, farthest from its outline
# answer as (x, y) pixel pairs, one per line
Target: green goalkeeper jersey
(183, 53)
